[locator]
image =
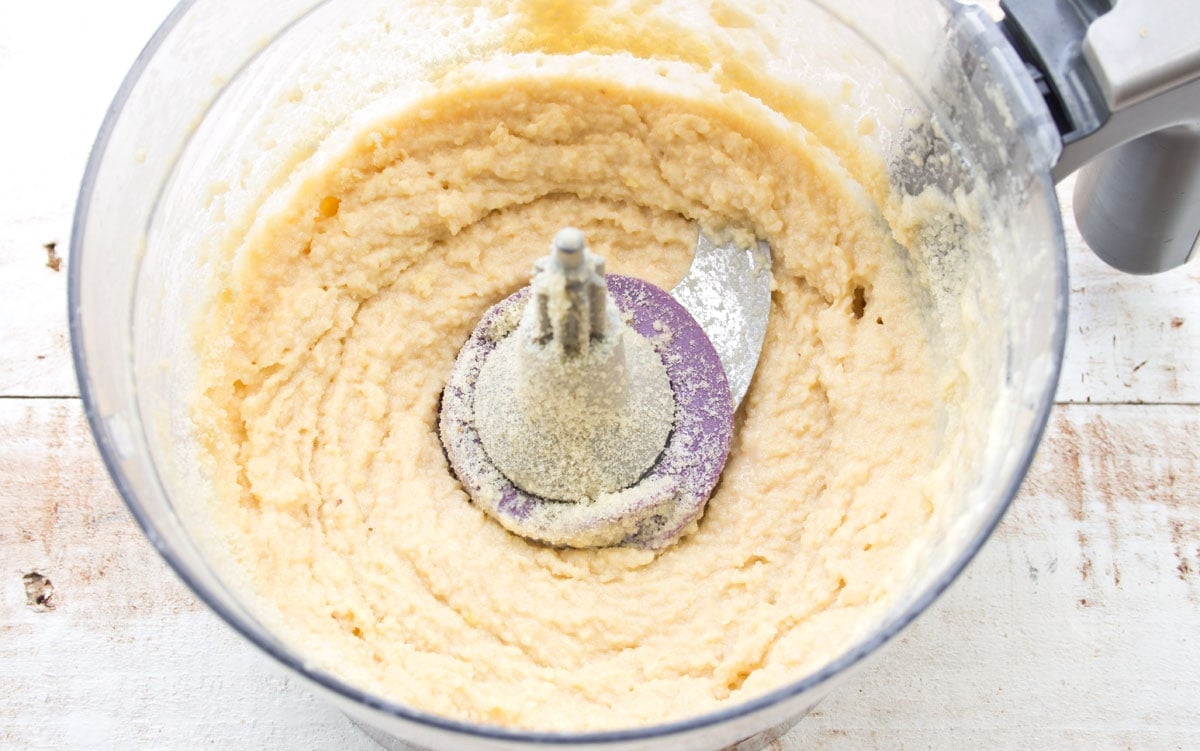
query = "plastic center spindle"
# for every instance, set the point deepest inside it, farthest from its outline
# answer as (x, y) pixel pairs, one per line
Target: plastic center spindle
(588, 411)
(574, 403)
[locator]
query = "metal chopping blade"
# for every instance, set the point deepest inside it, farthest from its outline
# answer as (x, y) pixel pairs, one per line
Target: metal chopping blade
(728, 291)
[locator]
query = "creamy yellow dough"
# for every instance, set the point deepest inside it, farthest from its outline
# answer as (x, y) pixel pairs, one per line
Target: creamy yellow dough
(327, 349)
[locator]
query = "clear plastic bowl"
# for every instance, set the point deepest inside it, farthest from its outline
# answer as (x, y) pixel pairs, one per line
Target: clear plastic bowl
(228, 97)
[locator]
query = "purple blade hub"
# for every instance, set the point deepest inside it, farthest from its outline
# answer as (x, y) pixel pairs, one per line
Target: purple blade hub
(657, 509)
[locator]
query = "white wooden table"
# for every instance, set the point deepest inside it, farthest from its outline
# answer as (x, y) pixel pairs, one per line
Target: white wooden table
(1078, 625)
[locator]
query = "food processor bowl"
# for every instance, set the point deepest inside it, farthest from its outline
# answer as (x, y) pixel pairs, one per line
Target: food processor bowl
(229, 99)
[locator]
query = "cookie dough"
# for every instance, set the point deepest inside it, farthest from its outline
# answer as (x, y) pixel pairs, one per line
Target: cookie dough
(328, 347)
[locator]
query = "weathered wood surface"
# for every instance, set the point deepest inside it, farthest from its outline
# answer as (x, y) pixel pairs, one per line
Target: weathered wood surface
(1077, 625)
(1132, 339)
(60, 64)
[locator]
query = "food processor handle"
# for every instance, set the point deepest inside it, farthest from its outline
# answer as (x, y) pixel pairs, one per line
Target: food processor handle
(1123, 85)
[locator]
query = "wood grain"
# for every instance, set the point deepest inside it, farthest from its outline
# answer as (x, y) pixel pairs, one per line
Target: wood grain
(60, 64)
(121, 655)
(1077, 624)
(1131, 339)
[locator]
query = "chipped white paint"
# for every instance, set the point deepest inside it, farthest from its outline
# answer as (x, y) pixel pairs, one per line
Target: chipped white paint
(1077, 625)
(60, 64)
(1130, 337)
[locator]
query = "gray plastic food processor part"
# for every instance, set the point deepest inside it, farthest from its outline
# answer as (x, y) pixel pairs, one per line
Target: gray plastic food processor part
(1123, 83)
(594, 410)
